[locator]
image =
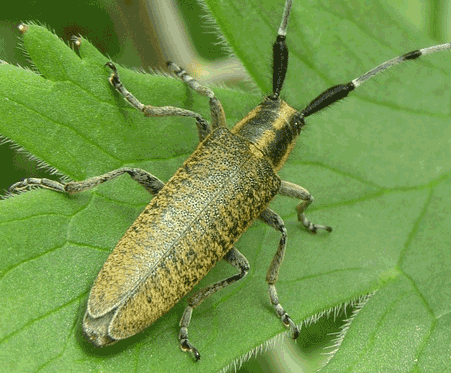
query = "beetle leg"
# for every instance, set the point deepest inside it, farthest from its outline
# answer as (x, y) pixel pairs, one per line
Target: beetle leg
(276, 222)
(239, 261)
(152, 184)
(203, 128)
(218, 118)
(295, 191)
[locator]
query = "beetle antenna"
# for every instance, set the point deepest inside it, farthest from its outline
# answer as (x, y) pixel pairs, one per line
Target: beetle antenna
(280, 54)
(338, 92)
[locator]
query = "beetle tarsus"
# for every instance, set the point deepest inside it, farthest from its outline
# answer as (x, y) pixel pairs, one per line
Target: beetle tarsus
(288, 322)
(312, 228)
(186, 346)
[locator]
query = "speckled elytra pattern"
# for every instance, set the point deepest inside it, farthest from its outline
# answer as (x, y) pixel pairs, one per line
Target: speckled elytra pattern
(188, 227)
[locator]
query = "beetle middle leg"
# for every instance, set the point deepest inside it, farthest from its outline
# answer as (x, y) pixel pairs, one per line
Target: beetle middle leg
(295, 191)
(150, 182)
(239, 261)
(276, 222)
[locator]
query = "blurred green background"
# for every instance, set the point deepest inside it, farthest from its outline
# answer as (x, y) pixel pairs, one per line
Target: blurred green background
(145, 35)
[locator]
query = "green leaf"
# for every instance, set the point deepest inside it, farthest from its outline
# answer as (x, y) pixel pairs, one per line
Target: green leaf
(377, 164)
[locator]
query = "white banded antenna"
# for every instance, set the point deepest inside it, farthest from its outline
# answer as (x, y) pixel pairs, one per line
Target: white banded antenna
(338, 92)
(286, 14)
(395, 61)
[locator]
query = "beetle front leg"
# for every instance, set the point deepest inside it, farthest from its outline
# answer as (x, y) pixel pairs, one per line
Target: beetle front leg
(276, 222)
(295, 191)
(217, 112)
(239, 261)
(203, 128)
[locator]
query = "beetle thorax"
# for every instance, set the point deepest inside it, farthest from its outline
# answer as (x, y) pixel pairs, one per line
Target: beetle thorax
(272, 127)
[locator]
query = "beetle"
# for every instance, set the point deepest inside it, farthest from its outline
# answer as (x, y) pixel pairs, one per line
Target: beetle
(194, 219)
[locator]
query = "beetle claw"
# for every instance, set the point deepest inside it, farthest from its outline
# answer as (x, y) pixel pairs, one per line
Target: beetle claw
(186, 346)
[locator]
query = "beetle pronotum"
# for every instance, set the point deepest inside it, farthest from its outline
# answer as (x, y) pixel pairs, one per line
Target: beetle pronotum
(195, 218)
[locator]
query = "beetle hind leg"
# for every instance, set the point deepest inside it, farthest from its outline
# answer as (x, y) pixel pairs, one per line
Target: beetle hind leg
(185, 344)
(239, 261)
(286, 319)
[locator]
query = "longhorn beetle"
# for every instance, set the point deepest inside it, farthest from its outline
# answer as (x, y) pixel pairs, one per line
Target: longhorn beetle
(195, 218)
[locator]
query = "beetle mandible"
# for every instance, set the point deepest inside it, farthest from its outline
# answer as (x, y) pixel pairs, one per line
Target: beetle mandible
(194, 219)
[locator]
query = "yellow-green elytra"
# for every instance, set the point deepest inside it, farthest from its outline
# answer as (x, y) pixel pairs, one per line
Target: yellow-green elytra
(188, 226)
(195, 218)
